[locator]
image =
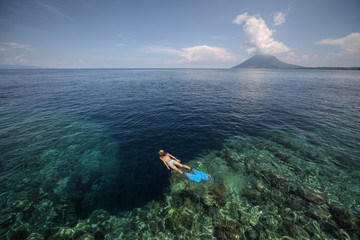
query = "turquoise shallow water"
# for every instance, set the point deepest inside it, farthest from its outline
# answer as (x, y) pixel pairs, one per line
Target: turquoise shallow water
(79, 154)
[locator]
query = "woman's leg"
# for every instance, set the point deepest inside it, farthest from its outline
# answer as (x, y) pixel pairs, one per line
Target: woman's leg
(182, 165)
(176, 169)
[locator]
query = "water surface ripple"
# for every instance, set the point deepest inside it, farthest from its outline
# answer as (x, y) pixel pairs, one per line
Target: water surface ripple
(112, 122)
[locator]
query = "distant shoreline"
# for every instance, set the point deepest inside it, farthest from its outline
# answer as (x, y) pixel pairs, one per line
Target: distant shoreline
(306, 68)
(331, 68)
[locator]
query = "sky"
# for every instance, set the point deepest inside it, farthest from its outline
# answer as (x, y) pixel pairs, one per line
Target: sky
(178, 34)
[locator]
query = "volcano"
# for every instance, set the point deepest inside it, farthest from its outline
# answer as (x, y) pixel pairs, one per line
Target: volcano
(265, 61)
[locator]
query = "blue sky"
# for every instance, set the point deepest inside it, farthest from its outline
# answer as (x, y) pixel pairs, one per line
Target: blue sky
(178, 34)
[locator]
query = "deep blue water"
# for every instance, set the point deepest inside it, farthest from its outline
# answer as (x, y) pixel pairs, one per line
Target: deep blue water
(110, 123)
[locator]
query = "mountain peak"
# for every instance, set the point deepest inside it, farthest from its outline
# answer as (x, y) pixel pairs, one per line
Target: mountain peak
(265, 61)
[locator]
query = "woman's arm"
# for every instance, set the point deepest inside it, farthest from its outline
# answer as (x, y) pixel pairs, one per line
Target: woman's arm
(165, 164)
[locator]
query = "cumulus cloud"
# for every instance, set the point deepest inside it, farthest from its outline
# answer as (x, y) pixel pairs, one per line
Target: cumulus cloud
(350, 44)
(241, 18)
(279, 18)
(259, 36)
(202, 53)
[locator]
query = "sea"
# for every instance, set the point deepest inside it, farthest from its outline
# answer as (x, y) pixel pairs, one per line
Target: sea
(79, 153)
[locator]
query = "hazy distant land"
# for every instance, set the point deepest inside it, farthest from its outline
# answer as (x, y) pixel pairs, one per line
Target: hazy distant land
(332, 68)
(18, 67)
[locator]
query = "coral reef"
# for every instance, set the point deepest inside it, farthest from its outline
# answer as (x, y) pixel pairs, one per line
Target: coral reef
(271, 186)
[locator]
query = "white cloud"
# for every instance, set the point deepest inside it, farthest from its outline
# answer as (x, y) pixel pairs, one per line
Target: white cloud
(202, 53)
(279, 18)
(241, 18)
(259, 36)
(13, 52)
(293, 58)
(350, 44)
(165, 50)
(6, 46)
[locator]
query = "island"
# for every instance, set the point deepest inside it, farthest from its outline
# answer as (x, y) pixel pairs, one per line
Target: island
(268, 61)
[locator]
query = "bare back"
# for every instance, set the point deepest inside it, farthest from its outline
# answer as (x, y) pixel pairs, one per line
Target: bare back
(170, 161)
(166, 158)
